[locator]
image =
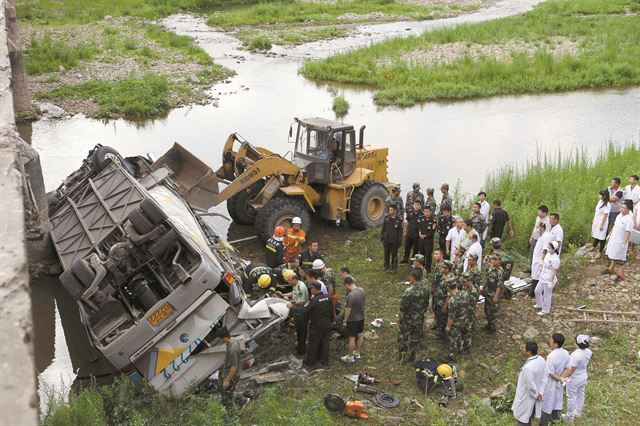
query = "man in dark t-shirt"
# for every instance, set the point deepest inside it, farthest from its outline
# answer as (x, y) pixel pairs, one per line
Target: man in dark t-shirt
(353, 320)
(499, 219)
(231, 369)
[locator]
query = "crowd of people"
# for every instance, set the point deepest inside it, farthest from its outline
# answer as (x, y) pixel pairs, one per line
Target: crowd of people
(454, 263)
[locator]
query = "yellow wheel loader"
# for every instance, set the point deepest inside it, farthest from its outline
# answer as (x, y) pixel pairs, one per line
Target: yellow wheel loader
(329, 173)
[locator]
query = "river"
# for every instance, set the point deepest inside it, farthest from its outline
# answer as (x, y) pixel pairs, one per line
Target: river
(431, 143)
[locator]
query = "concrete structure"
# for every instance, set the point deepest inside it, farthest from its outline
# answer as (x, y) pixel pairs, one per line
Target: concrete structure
(17, 389)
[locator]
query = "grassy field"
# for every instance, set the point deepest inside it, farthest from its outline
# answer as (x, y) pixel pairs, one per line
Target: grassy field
(613, 392)
(602, 34)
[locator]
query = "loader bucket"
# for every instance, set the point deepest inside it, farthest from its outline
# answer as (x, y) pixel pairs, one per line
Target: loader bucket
(197, 183)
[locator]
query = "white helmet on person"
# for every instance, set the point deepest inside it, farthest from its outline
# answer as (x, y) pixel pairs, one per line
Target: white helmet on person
(318, 264)
(296, 221)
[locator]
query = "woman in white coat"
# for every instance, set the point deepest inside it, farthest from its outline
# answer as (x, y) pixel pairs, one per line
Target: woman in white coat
(548, 278)
(529, 385)
(618, 243)
(600, 221)
(536, 261)
(576, 377)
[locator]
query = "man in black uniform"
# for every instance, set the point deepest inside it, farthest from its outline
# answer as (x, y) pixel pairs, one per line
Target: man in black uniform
(275, 248)
(391, 236)
(252, 273)
(309, 255)
(445, 222)
(318, 310)
(411, 241)
(427, 226)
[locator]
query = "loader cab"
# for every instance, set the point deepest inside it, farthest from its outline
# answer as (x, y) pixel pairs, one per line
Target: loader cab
(325, 149)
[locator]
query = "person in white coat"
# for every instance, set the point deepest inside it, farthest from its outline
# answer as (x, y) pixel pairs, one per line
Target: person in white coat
(529, 385)
(600, 221)
(537, 260)
(618, 241)
(474, 248)
(552, 395)
(556, 230)
(548, 278)
(576, 377)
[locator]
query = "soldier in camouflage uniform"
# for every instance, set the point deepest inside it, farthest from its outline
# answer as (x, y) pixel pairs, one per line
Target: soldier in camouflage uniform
(414, 196)
(458, 263)
(473, 294)
(413, 306)
(430, 201)
(457, 301)
(329, 280)
(396, 200)
(438, 262)
(492, 292)
(447, 279)
(473, 270)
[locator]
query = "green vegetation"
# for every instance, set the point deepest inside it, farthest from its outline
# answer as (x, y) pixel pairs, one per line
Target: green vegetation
(606, 33)
(340, 106)
(82, 11)
(184, 44)
(259, 43)
(46, 55)
(317, 12)
(568, 185)
(134, 96)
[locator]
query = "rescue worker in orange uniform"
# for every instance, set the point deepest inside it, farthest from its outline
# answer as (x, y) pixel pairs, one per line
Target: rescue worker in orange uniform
(294, 239)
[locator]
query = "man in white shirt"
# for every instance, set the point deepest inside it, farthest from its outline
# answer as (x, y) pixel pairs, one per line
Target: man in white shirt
(551, 394)
(632, 191)
(474, 248)
(557, 233)
(542, 216)
(454, 237)
(529, 385)
(485, 207)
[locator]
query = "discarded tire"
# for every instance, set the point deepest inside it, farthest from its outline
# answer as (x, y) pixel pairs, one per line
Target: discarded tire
(386, 400)
(367, 205)
(279, 211)
(334, 403)
(140, 222)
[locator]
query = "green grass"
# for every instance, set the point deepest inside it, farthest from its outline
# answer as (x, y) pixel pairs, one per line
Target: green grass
(567, 184)
(46, 55)
(609, 43)
(134, 96)
(259, 43)
(82, 11)
(290, 12)
(184, 44)
(340, 106)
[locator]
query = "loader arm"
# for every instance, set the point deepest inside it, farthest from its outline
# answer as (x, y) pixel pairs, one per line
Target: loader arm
(265, 167)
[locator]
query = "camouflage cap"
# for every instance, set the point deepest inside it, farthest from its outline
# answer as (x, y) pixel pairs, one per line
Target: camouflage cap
(495, 241)
(418, 257)
(395, 188)
(430, 190)
(466, 276)
(473, 256)
(416, 185)
(448, 264)
(445, 186)
(494, 256)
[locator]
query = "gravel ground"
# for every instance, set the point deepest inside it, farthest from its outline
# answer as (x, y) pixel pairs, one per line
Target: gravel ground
(439, 54)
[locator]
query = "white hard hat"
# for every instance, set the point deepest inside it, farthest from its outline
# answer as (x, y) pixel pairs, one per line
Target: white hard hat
(318, 264)
(297, 220)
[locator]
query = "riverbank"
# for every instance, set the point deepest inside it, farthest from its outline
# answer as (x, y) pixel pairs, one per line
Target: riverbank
(613, 393)
(560, 45)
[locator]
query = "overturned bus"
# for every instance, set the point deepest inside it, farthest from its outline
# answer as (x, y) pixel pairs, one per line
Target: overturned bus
(152, 280)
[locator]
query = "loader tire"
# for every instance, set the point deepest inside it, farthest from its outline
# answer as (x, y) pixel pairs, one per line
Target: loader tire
(278, 212)
(103, 155)
(238, 205)
(140, 222)
(367, 205)
(153, 211)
